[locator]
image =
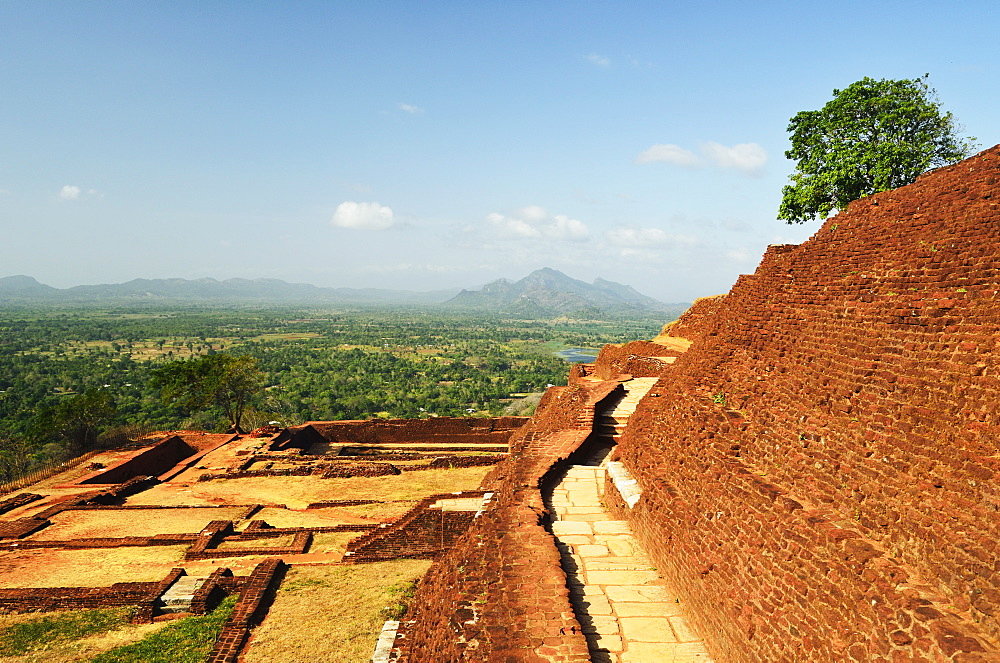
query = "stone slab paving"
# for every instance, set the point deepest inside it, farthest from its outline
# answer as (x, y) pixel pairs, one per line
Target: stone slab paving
(627, 614)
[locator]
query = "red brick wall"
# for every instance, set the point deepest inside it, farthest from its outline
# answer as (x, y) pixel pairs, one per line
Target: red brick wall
(499, 593)
(494, 430)
(819, 471)
(637, 359)
(153, 461)
(697, 320)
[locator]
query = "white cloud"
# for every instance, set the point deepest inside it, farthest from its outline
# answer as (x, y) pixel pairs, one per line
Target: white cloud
(535, 222)
(748, 158)
(363, 216)
(69, 192)
(634, 237)
(669, 154)
(741, 254)
(598, 60)
(414, 110)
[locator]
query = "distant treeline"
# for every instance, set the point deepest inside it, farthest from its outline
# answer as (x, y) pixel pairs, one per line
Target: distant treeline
(74, 380)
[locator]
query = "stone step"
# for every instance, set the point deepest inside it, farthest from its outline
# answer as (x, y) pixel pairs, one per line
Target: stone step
(179, 595)
(626, 612)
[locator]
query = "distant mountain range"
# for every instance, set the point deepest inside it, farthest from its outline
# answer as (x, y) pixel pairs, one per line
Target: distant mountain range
(26, 290)
(542, 294)
(548, 292)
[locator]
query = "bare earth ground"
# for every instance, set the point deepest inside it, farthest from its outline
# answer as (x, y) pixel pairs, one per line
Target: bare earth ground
(299, 492)
(336, 612)
(87, 568)
(325, 610)
(147, 522)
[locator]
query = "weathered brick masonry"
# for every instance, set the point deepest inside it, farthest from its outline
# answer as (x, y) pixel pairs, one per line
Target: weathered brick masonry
(494, 430)
(140, 594)
(499, 593)
(639, 359)
(820, 469)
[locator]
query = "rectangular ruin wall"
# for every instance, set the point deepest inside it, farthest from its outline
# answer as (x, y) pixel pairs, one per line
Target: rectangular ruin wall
(494, 430)
(820, 470)
(148, 462)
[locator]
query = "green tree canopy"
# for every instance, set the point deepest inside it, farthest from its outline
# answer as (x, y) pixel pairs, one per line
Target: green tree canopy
(226, 381)
(873, 136)
(78, 420)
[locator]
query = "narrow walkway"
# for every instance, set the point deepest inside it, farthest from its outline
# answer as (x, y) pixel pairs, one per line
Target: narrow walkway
(610, 420)
(627, 614)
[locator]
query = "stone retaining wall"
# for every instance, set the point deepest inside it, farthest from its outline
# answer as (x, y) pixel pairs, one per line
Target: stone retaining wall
(639, 359)
(18, 501)
(494, 430)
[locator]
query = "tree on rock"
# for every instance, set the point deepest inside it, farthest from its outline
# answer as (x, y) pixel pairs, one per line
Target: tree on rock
(873, 136)
(222, 380)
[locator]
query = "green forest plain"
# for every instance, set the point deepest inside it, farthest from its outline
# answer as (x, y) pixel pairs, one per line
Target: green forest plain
(318, 364)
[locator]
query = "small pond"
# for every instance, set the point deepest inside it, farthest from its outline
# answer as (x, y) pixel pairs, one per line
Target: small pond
(578, 355)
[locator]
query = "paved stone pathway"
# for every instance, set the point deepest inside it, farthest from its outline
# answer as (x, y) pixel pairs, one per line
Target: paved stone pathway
(627, 614)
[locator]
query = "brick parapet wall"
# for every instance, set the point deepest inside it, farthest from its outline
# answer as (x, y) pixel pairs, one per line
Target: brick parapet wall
(299, 544)
(852, 375)
(104, 542)
(18, 501)
(212, 592)
(248, 611)
(499, 593)
(494, 430)
(22, 527)
(421, 532)
(639, 359)
(209, 537)
(143, 595)
(327, 470)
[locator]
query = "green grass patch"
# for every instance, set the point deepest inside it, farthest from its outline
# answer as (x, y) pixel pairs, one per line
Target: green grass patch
(187, 641)
(41, 633)
(400, 595)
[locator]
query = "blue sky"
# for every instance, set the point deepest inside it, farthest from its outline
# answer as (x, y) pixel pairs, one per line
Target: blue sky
(428, 145)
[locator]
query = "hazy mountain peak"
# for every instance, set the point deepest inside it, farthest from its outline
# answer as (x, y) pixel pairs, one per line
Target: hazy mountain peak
(549, 292)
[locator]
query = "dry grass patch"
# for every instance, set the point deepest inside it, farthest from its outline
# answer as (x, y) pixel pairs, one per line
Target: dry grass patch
(97, 567)
(328, 517)
(331, 613)
(89, 524)
(379, 512)
(409, 485)
(332, 542)
(299, 492)
(272, 542)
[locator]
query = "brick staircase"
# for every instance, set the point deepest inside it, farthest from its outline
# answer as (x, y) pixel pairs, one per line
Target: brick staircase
(610, 419)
